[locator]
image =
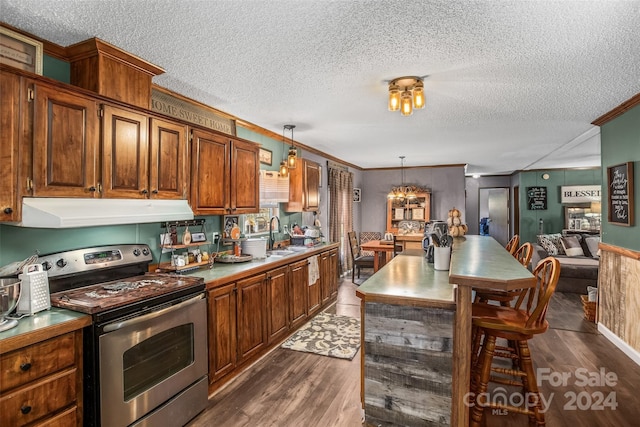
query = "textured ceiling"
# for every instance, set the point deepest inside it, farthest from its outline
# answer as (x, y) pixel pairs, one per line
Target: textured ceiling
(512, 85)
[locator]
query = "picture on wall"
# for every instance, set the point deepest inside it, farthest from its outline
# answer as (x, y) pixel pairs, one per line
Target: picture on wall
(356, 195)
(20, 51)
(537, 198)
(620, 199)
(266, 156)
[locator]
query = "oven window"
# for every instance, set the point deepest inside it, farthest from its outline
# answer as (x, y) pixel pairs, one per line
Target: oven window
(156, 359)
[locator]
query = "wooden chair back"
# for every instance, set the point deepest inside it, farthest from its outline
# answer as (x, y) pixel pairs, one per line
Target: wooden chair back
(536, 299)
(512, 245)
(368, 236)
(353, 244)
(524, 254)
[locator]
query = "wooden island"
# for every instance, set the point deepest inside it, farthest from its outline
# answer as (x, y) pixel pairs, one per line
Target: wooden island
(416, 332)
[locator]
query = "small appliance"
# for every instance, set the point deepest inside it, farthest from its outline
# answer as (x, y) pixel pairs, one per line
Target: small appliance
(34, 290)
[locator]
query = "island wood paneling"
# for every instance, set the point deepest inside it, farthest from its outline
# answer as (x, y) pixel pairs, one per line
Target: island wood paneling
(407, 365)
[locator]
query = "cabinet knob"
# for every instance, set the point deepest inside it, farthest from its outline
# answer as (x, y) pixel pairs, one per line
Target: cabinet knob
(8, 211)
(154, 192)
(145, 191)
(92, 188)
(25, 409)
(25, 366)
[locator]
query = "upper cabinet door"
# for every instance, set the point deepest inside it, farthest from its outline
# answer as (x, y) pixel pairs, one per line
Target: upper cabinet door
(168, 161)
(65, 144)
(10, 205)
(125, 153)
(312, 184)
(245, 181)
(209, 173)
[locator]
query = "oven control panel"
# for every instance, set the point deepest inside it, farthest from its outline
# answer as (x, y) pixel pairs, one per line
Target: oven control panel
(94, 258)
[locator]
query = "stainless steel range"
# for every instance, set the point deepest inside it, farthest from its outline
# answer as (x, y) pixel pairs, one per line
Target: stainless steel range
(145, 355)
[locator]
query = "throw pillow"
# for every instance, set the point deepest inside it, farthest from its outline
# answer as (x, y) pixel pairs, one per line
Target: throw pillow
(547, 244)
(592, 244)
(571, 245)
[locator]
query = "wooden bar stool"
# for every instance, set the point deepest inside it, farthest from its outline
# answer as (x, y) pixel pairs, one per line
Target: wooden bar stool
(517, 325)
(512, 245)
(522, 254)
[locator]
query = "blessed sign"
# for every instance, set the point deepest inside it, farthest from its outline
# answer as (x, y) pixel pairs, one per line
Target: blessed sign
(620, 200)
(580, 193)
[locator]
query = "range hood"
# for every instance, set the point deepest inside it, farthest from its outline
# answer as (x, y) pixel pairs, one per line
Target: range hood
(72, 213)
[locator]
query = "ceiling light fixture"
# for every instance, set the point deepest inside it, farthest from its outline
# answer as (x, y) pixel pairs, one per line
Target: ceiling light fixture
(406, 94)
(292, 158)
(403, 192)
(284, 169)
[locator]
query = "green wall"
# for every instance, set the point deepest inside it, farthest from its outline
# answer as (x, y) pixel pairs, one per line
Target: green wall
(553, 216)
(620, 142)
(56, 69)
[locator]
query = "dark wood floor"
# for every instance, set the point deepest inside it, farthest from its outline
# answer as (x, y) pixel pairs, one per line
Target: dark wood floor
(290, 388)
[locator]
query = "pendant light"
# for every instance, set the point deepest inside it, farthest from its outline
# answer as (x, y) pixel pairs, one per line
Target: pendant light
(292, 158)
(406, 94)
(284, 169)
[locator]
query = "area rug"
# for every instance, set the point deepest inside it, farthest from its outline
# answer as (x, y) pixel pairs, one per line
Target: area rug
(328, 335)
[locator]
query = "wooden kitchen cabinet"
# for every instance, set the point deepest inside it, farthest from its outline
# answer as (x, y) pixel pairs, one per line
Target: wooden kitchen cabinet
(314, 299)
(41, 383)
(125, 153)
(277, 304)
(223, 349)
(65, 143)
(10, 88)
(298, 284)
(252, 323)
(169, 160)
(304, 187)
(328, 275)
(224, 174)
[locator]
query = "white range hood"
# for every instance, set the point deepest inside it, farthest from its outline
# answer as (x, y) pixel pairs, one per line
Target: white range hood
(73, 213)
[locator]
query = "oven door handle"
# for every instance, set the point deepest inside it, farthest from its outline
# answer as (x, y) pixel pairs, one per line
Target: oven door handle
(119, 325)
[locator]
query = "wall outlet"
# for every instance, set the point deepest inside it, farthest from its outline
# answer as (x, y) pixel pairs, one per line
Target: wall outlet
(216, 237)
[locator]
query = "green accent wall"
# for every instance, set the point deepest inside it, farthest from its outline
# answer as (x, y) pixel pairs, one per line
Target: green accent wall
(620, 142)
(56, 69)
(553, 216)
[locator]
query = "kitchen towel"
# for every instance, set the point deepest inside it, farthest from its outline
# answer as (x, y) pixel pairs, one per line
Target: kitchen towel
(314, 271)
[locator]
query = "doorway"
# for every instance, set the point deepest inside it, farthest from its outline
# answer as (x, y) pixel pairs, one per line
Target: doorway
(494, 205)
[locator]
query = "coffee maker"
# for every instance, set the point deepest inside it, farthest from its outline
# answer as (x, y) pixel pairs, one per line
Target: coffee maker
(439, 228)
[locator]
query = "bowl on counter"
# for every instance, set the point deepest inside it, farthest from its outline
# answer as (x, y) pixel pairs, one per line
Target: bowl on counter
(9, 294)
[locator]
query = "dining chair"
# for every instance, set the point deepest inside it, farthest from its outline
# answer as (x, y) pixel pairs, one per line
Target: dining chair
(368, 236)
(517, 325)
(512, 245)
(359, 260)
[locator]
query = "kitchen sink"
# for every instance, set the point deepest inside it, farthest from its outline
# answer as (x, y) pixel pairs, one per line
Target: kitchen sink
(279, 253)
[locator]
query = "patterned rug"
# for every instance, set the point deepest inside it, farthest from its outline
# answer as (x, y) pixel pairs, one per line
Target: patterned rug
(328, 335)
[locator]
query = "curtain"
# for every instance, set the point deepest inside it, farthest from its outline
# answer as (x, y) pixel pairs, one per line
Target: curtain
(341, 214)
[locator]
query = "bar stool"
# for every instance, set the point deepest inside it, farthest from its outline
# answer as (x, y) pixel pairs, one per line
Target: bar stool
(512, 245)
(517, 325)
(523, 254)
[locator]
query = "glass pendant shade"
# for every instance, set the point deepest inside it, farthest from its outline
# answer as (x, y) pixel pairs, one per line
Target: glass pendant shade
(284, 170)
(406, 103)
(292, 158)
(391, 195)
(418, 95)
(394, 98)
(411, 195)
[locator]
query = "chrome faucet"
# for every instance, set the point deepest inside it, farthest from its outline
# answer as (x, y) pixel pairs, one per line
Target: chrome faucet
(271, 239)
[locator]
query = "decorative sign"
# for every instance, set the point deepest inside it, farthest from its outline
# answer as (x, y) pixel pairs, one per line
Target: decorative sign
(170, 105)
(620, 200)
(537, 198)
(20, 51)
(266, 156)
(580, 193)
(356, 195)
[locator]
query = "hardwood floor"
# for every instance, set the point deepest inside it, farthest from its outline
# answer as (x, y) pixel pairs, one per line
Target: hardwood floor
(290, 388)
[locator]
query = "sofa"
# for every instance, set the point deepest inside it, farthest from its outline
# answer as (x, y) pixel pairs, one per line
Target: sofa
(578, 256)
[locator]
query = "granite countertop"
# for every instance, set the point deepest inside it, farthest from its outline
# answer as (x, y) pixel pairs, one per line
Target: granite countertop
(409, 278)
(223, 273)
(41, 326)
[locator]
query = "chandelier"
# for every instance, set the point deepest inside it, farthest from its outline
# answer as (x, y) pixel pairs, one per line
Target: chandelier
(404, 191)
(406, 94)
(292, 157)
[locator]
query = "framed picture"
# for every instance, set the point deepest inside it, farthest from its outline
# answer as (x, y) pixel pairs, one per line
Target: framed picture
(229, 222)
(20, 51)
(417, 213)
(356, 195)
(620, 199)
(266, 156)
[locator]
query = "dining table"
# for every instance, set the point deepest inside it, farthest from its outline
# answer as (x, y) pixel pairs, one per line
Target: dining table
(380, 249)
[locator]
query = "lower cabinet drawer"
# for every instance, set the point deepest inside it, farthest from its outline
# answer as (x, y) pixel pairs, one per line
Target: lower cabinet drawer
(27, 404)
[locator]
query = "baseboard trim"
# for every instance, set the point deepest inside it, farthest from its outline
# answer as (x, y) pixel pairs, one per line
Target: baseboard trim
(618, 342)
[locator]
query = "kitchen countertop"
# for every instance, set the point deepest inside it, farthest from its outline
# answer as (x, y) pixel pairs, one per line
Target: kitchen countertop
(223, 273)
(41, 326)
(409, 279)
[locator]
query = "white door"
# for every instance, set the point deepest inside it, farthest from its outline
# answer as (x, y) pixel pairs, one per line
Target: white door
(496, 202)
